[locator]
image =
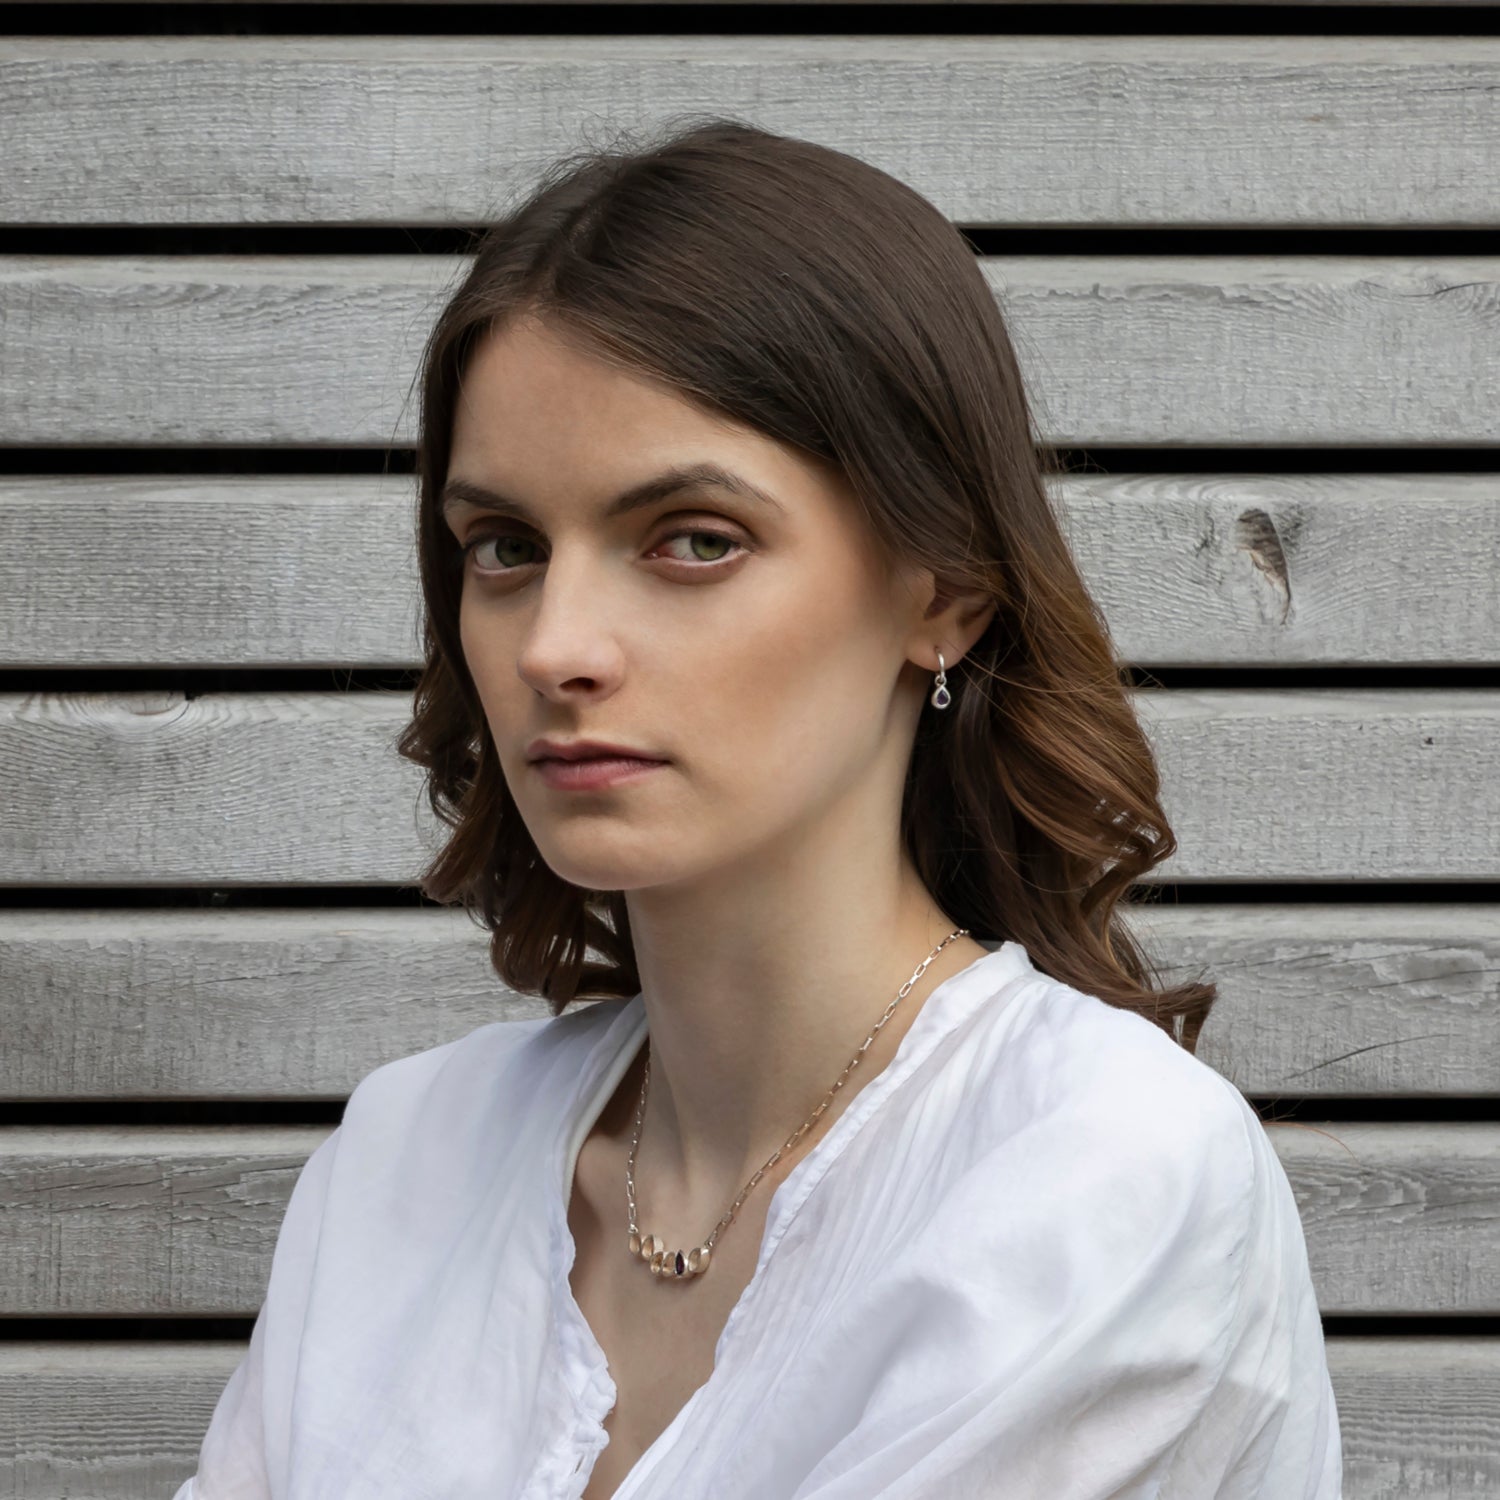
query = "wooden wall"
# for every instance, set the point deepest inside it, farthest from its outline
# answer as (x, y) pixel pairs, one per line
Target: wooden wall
(1255, 279)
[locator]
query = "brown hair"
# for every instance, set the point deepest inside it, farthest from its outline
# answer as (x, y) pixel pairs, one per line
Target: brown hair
(815, 298)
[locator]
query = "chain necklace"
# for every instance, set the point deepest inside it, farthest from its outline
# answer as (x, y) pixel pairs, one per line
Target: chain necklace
(676, 1266)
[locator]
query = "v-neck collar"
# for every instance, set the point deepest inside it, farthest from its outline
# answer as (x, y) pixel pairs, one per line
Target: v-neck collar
(586, 1373)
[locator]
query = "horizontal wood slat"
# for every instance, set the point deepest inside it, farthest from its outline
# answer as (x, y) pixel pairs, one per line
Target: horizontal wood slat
(1118, 350)
(128, 1222)
(151, 788)
(134, 1221)
(1419, 1417)
(123, 1421)
(1190, 570)
(1006, 130)
(1385, 1000)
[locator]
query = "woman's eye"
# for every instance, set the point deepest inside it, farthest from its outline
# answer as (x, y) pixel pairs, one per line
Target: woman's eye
(716, 540)
(720, 548)
(503, 545)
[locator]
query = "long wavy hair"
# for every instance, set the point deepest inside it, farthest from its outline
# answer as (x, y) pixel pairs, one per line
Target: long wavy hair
(813, 297)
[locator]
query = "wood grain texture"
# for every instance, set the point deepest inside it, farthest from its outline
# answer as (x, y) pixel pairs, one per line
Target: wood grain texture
(1190, 570)
(994, 130)
(1387, 1000)
(134, 1221)
(1419, 1416)
(104, 1221)
(1119, 350)
(1299, 570)
(155, 789)
(1382, 1000)
(259, 1003)
(124, 1420)
(1398, 1218)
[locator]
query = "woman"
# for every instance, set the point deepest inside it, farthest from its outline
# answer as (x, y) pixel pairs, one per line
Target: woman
(758, 668)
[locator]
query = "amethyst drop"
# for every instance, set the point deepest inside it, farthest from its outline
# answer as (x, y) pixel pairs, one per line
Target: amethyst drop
(680, 1266)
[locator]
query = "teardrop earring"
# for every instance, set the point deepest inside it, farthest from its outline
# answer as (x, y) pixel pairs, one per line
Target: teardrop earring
(941, 697)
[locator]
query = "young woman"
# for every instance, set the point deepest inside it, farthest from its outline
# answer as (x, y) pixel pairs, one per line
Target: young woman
(768, 714)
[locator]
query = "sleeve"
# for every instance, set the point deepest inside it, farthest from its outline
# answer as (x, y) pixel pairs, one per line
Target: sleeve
(1270, 1430)
(243, 1451)
(1200, 1370)
(1121, 1309)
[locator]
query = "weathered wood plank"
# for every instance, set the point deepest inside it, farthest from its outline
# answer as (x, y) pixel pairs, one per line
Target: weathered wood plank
(1384, 1000)
(1419, 1416)
(1120, 350)
(261, 571)
(1191, 570)
(105, 1221)
(1398, 1218)
(262, 1003)
(1264, 570)
(151, 788)
(1295, 350)
(1055, 130)
(137, 1221)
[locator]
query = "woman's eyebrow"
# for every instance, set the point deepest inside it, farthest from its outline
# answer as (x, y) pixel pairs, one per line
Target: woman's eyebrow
(673, 481)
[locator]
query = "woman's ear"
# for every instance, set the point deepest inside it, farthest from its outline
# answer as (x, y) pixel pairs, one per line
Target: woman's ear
(964, 618)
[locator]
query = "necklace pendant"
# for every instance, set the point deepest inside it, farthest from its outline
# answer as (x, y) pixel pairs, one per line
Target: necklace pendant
(672, 1264)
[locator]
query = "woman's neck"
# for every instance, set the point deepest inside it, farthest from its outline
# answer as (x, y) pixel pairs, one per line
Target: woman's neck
(750, 1026)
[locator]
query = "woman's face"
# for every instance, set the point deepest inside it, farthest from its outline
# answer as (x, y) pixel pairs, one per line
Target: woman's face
(752, 640)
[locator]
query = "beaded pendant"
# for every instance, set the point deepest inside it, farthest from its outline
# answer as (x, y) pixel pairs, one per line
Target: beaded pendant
(672, 1264)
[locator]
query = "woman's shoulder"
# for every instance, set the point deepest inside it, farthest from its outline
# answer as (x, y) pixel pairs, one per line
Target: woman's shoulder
(494, 1062)
(1113, 1082)
(456, 1113)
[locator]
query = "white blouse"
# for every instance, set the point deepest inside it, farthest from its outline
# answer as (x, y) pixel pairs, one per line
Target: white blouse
(1044, 1254)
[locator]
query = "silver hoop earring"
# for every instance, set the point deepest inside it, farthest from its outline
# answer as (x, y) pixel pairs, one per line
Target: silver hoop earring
(941, 697)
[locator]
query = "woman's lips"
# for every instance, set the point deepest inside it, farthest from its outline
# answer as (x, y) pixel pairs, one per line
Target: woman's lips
(595, 772)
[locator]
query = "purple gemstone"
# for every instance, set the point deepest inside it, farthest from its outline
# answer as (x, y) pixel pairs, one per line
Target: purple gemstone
(680, 1266)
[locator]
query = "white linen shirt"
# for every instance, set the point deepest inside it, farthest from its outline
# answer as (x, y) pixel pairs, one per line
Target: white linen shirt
(1044, 1254)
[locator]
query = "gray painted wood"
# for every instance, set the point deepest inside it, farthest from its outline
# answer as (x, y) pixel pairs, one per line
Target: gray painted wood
(1419, 1416)
(1385, 1000)
(152, 1220)
(136, 1221)
(1119, 350)
(256, 1003)
(151, 788)
(1296, 570)
(1191, 570)
(124, 1420)
(1400, 1218)
(1006, 130)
